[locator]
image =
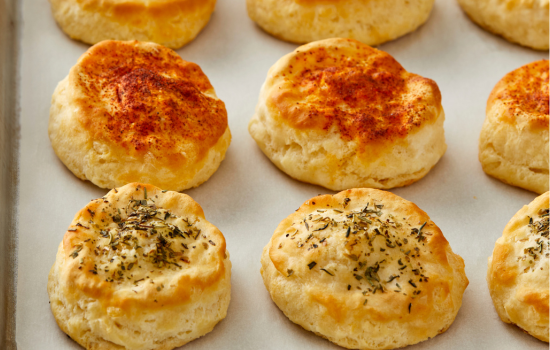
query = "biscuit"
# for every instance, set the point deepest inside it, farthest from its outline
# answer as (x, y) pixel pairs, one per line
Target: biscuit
(513, 145)
(172, 23)
(340, 114)
(140, 269)
(518, 270)
(136, 112)
(369, 21)
(364, 269)
(524, 22)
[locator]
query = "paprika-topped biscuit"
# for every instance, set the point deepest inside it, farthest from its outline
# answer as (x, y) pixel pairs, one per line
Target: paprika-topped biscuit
(513, 145)
(365, 269)
(136, 112)
(340, 114)
(369, 21)
(518, 270)
(172, 23)
(140, 269)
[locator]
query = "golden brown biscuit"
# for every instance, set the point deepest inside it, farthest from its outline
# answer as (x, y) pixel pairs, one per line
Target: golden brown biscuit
(369, 21)
(136, 112)
(520, 21)
(365, 269)
(513, 145)
(518, 270)
(140, 269)
(172, 23)
(340, 114)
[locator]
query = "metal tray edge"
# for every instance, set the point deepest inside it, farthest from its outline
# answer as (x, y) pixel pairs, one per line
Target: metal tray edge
(9, 170)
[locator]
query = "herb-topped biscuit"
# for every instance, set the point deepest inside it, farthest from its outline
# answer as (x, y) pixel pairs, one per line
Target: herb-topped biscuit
(518, 270)
(136, 112)
(340, 114)
(513, 145)
(140, 269)
(365, 269)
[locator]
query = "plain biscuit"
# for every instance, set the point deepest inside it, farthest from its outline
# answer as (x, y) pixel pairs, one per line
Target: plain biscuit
(340, 114)
(172, 23)
(365, 269)
(140, 269)
(520, 21)
(518, 270)
(513, 145)
(369, 21)
(136, 112)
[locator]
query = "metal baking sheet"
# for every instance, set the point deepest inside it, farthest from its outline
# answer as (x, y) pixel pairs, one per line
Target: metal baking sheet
(248, 196)
(8, 170)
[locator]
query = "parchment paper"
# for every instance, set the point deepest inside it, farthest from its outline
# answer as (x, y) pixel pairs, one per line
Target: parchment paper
(248, 196)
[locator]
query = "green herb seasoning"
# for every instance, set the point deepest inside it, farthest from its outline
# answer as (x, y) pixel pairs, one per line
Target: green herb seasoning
(539, 240)
(78, 248)
(134, 241)
(379, 256)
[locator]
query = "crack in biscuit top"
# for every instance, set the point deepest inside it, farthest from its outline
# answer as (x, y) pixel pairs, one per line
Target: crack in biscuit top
(364, 93)
(526, 89)
(147, 100)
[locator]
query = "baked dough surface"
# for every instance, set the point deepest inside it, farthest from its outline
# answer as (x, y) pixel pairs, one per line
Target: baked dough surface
(365, 269)
(518, 270)
(520, 21)
(341, 114)
(140, 269)
(172, 23)
(513, 145)
(133, 111)
(372, 22)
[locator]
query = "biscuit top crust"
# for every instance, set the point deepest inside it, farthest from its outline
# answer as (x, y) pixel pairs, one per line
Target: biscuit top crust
(133, 11)
(144, 99)
(140, 247)
(317, 2)
(524, 94)
(370, 250)
(524, 245)
(362, 92)
(518, 268)
(512, 4)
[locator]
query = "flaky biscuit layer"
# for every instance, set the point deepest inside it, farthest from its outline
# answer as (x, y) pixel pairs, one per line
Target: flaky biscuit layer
(365, 269)
(513, 145)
